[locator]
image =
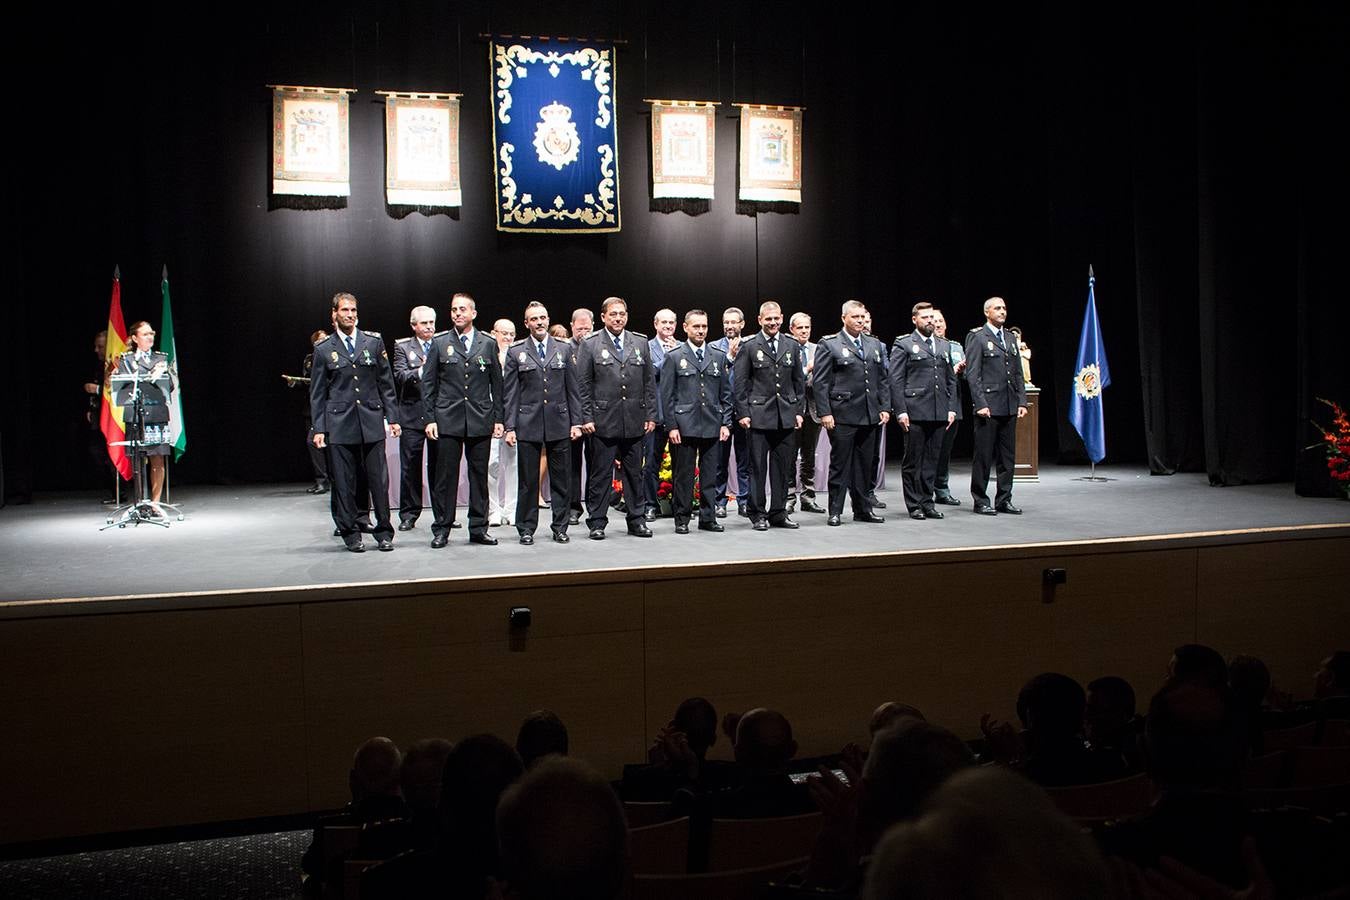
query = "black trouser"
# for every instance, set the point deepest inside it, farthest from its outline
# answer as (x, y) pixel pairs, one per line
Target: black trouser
(410, 445)
(652, 451)
(996, 448)
(944, 463)
(689, 454)
(923, 446)
(445, 487)
(581, 449)
(807, 438)
(359, 469)
(559, 483)
(738, 442)
(852, 448)
(600, 479)
(772, 452)
(874, 466)
(362, 492)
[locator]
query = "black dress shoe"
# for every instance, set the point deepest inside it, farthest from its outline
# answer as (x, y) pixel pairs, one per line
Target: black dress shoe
(318, 487)
(784, 522)
(720, 512)
(365, 526)
(574, 518)
(337, 532)
(649, 515)
(742, 511)
(873, 502)
(527, 539)
(486, 540)
(869, 517)
(985, 511)
(597, 534)
(682, 528)
(714, 525)
(932, 513)
(357, 547)
(407, 525)
(385, 545)
(947, 500)
(439, 541)
(1010, 509)
(560, 537)
(760, 525)
(834, 521)
(917, 514)
(639, 530)
(809, 505)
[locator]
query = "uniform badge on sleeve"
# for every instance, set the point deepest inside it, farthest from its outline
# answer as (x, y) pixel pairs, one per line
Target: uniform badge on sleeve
(684, 363)
(335, 356)
(521, 356)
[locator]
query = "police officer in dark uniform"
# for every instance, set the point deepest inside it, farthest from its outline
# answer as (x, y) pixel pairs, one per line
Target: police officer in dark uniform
(696, 397)
(409, 354)
(924, 399)
(583, 323)
(853, 400)
(462, 396)
(351, 394)
(999, 398)
(618, 403)
(770, 392)
(542, 413)
(957, 357)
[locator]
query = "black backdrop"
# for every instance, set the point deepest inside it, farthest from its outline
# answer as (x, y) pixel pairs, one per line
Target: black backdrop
(1190, 151)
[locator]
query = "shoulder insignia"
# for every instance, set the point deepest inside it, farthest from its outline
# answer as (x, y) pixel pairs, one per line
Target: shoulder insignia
(638, 336)
(374, 334)
(520, 342)
(403, 340)
(439, 333)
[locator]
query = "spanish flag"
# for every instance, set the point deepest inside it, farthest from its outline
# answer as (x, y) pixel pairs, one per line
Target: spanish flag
(110, 416)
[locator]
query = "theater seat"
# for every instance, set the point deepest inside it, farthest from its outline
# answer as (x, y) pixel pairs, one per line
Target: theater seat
(661, 849)
(1287, 738)
(737, 884)
(1107, 800)
(744, 843)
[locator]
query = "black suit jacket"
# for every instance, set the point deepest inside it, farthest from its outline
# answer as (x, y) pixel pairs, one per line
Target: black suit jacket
(408, 359)
(923, 384)
(542, 402)
(994, 373)
(696, 397)
(462, 392)
(852, 388)
(618, 393)
(770, 389)
(351, 394)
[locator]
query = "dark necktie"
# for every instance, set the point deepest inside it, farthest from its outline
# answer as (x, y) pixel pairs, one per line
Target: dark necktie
(699, 355)
(929, 342)
(857, 342)
(618, 343)
(999, 335)
(426, 349)
(773, 347)
(351, 347)
(464, 339)
(541, 351)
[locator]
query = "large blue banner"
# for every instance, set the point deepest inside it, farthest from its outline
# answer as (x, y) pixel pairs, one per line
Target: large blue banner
(554, 136)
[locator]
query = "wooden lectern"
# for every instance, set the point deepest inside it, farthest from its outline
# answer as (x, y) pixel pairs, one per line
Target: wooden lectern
(1028, 440)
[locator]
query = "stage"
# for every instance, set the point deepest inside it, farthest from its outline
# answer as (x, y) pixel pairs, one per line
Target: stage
(235, 659)
(268, 537)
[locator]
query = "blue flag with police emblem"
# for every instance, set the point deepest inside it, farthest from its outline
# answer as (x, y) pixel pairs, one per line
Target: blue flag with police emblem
(1091, 375)
(554, 136)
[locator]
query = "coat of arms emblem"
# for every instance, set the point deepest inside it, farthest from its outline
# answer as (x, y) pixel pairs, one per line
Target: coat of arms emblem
(555, 137)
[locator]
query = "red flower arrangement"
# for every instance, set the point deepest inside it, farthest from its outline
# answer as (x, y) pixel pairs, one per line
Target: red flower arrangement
(1336, 439)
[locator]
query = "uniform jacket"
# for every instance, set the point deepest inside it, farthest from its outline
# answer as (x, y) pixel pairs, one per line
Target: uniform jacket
(853, 389)
(994, 373)
(542, 402)
(770, 390)
(696, 396)
(462, 392)
(351, 394)
(923, 384)
(618, 393)
(154, 401)
(408, 359)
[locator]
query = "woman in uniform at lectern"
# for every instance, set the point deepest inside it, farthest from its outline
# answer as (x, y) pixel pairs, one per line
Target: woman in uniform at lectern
(141, 359)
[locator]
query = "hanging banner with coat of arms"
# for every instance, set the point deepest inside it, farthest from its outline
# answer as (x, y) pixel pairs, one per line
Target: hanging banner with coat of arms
(554, 136)
(421, 147)
(683, 148)
(771, 154)
(309, 141)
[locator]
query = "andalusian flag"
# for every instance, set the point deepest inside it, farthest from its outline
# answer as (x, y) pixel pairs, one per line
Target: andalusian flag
(110, 414)
(177, 430)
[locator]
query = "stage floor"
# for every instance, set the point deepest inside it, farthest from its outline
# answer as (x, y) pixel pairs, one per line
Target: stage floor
(277, 536)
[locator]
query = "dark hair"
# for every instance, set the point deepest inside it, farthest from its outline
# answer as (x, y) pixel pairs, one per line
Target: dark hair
(1117, 692)
(697, 718)
(541, 734)
(1195, 736)
(343, 295)
(1196, 662)
(476, 773)
(1249, 679)
(922, 304)
(1052, 704)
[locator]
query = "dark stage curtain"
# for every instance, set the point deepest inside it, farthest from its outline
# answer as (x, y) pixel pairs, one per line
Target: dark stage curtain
(1239, 220)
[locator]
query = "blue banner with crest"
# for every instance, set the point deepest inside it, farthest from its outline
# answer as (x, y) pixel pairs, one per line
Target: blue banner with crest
(554, 136)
